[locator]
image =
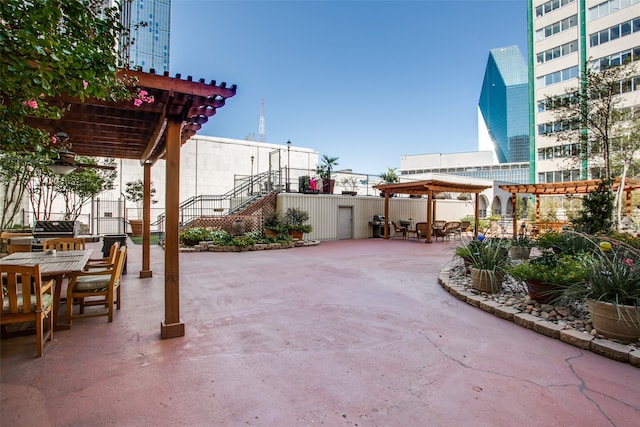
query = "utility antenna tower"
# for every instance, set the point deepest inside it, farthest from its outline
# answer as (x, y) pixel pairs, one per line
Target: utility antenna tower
(262, 137)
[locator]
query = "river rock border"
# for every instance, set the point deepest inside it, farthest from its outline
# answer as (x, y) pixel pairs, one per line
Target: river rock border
(565, 333)
(211, 247)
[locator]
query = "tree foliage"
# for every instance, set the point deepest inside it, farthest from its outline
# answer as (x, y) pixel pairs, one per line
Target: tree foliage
(50, 48)
(597, 210)
(80, 186)
(591, 116)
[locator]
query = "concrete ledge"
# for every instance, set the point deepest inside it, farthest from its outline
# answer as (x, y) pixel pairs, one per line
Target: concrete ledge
(576, 338)
(548, 328)
(525, 320)
(634, 358)
(585, 341)
(489, 306)
(506, 313)
(475, 300)
(610, 349)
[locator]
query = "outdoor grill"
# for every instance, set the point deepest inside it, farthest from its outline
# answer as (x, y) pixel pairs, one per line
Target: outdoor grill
(376, 225)
(43, 230)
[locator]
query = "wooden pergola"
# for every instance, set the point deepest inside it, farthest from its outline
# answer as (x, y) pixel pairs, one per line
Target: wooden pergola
(564, 188)
(430, 188)
(148, 132)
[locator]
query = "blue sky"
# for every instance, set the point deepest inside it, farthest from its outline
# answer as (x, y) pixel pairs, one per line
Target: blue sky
(366, 81)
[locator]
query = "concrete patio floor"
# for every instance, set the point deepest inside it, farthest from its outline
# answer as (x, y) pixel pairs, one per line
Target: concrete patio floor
(347, 333)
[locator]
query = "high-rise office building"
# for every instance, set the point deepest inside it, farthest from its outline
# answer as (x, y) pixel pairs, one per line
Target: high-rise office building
(503, 108)
(565, 37)
(149, 23)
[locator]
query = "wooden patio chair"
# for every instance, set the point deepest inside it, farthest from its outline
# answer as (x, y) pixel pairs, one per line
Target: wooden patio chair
(464, 228)
(97, 288)
(422, 230)
(451, 228)
(398, 231)
(106, 262)
(64, 244)
(23, 283)
(438, 229)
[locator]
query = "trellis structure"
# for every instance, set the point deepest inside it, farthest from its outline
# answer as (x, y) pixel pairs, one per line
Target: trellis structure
(430, 188)
(146, 132)
(564, 188)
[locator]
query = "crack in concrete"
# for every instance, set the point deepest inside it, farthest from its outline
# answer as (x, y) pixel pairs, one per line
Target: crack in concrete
(581, 385)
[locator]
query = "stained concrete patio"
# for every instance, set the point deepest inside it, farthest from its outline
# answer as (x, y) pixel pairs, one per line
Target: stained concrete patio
(353, 333)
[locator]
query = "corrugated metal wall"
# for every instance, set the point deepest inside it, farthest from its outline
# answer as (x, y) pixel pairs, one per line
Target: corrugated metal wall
(323, 211)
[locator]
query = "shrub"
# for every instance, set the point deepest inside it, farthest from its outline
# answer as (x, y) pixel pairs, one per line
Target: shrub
(194, 235)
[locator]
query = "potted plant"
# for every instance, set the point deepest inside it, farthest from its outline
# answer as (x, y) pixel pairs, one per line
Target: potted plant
(520, 247)
(134, 191)
(193, 235)
(295, 219)
(612, 290)
(352, 184)
(548, 275)
(466, 251)
(324, 172)
(389, 177)
(274, 225)
(488, 264)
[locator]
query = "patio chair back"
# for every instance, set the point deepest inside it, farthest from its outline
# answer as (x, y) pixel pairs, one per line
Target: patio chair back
(26, 298)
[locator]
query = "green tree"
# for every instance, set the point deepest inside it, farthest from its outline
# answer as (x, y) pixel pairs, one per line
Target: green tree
(390, 176)
(134, 191)
(16, 172)
(597, 210)
(80, 186)
(50, 48)
(590, 117)
(326, 166)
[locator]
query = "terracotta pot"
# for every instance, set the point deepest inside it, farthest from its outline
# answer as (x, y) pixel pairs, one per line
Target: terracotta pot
(486, 280)
(296, 234)
(270, 233)
(518, 252)
(538, 290)
(136, 227)
(624, 326)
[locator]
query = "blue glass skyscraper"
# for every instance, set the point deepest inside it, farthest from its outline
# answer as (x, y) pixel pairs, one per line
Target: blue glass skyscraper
(504, 106)
(149, 47)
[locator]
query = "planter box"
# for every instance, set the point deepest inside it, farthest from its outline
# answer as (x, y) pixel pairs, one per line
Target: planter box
(605, 319)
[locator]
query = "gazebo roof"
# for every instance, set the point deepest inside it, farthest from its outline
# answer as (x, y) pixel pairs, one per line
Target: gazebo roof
(573, 187)
(122, 130)
(434, 185)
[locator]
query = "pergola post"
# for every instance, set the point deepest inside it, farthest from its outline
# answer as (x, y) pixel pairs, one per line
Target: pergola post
(386, 215)
(172, 326)
(146, 223)
(430, 213)
(476, 215)
(514, 207)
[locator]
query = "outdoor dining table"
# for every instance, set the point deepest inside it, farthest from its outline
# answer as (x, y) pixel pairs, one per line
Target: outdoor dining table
(52, 265)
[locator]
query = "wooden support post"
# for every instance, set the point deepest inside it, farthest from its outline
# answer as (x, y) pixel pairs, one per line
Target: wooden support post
(514, 209)
(386, 215)
(146, 224)
(476, 214)
(430, 213)
(172, 326)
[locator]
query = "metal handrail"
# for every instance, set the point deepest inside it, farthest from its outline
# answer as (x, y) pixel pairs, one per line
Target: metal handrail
(247, 190)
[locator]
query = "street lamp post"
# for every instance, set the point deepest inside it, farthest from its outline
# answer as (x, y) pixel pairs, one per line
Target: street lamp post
(288, 166)
(251, 179)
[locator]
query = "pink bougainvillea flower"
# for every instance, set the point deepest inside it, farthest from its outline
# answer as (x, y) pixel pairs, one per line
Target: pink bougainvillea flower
(31, 103)
(150, 99)
(137, 102)
(143, 93)
(85, 84)
(54, 139)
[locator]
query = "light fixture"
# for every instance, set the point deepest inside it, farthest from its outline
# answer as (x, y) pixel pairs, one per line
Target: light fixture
(62, 169)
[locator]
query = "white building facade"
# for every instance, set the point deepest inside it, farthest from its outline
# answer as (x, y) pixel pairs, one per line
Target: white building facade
(564, 35)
